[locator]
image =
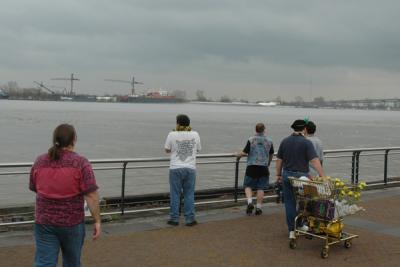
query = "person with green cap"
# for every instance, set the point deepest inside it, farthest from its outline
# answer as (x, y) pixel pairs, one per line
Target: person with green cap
(317, 143)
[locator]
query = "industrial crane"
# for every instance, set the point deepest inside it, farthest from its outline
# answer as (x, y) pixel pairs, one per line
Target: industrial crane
(63, 91)
(41, 86)
(71, 79)
(132, 83)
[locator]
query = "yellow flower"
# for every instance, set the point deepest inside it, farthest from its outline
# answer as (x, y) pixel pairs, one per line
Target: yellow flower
(342, 192)
(350, 193)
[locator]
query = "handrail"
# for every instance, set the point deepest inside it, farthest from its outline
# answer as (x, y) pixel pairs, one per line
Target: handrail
(199, 156)
(354, 153)
(129, 160)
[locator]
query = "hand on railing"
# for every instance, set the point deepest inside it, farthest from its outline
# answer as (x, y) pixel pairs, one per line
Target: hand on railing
(240, 154)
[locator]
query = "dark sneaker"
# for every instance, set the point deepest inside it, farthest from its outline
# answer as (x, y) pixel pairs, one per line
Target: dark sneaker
(250, 208)
(173, 223)
(258, 211)
(192, 223)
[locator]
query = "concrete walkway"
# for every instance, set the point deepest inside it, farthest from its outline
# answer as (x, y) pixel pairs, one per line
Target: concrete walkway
(225, 237)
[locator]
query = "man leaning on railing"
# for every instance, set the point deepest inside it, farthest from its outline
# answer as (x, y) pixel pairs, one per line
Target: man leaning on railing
(183, 144)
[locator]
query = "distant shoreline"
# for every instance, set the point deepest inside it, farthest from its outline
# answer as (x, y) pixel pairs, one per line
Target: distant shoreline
(357, 106)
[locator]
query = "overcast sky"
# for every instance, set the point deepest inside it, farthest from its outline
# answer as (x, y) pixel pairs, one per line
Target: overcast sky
(256, 49)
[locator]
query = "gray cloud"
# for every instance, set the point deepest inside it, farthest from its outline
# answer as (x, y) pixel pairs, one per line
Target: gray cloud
(270, 47)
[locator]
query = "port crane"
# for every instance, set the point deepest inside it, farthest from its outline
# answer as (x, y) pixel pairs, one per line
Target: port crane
(42, 86)
(63, 91)
(71, 79)
(132, 83)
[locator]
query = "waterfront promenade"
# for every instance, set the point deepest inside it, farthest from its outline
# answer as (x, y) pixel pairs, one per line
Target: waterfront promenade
(225, 237)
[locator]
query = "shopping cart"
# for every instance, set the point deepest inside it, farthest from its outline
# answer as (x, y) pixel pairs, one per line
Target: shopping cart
(316, 207)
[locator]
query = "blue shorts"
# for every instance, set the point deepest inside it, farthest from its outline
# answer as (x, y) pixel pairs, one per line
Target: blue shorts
(256, 183)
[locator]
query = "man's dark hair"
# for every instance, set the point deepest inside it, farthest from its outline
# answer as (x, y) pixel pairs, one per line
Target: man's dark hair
(311, 127)
(260, 127)
(182, 120)
(298, 125)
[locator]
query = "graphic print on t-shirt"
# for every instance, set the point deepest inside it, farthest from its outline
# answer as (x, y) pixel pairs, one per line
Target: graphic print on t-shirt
(185, 148)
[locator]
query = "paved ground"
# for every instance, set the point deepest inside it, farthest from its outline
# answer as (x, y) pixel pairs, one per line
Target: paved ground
(225, 237)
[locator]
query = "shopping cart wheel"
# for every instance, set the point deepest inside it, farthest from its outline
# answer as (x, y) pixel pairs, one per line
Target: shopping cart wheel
(292, 243)
(324, 253)
(347, 244)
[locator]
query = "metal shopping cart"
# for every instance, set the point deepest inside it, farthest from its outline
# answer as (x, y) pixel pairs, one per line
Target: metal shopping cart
(316, 207)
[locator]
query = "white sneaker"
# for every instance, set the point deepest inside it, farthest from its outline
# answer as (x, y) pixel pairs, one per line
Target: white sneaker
(303, 228)
(292, 235)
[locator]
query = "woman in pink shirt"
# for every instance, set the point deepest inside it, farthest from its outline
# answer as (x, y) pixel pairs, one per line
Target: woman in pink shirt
(62, 180)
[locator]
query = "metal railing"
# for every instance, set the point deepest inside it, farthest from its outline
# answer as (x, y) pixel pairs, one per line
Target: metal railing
(355, 154)
(227, 158)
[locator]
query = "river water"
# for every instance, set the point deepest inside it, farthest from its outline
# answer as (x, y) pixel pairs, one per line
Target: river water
(123, 130)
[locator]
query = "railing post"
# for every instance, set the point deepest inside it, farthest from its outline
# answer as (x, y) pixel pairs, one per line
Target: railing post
(123, 188)
(385, 174)
(357, 165)
(236, 179)
(353, 166)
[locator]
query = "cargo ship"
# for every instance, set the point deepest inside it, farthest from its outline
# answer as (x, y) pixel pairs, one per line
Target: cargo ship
(4, 95)
(152, 97)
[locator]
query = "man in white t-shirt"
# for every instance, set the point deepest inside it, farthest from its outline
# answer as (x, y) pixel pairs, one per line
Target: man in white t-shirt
(183, 144)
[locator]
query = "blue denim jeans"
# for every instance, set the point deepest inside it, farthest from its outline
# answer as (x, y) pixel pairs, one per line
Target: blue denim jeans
(50, 239)
(289, 197)
(182, 180)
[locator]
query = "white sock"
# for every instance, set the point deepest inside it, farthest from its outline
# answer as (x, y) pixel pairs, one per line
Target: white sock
(258, 206)
(249, 201)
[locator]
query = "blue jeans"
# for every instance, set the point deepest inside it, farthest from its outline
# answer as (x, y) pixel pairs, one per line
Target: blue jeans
(182, 179)
(289, 197)
(50, 239)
